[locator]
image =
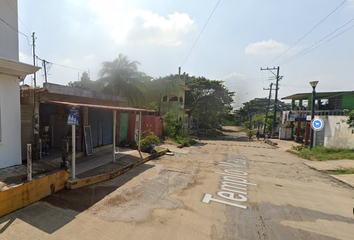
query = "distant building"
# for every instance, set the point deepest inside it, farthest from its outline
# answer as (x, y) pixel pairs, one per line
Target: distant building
(331, 107)
(12, 72)
(169, 95)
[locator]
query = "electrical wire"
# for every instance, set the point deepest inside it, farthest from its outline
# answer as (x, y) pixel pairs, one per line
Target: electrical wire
(52, 63)
(17, 16)
(200, 33)
(307, 32)
(14, 28)
(320, 43)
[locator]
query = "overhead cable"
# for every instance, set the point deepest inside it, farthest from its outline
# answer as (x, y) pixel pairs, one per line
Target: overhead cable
(307, 32)
(318, 43)
(201, 33)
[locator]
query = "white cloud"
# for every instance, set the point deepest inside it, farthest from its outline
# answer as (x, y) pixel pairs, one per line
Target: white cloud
(25, 58)
(141, 27)
(67, 62)
(147, 28)
(234, 76)
(89, 57)
(264, 48)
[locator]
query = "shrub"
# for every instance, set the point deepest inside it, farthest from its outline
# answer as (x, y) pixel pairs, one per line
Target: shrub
(186, 141)
(149, 138)
(169, 124)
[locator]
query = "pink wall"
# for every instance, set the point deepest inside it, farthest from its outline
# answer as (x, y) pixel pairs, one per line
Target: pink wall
(148, 122)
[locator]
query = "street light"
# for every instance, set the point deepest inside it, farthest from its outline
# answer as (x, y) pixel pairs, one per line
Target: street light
(313, 85)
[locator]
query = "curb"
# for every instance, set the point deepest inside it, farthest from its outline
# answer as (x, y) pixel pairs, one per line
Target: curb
(21, 195)
(83, 182)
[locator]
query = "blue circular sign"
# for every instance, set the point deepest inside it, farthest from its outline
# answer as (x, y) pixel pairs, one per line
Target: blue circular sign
(317, 124)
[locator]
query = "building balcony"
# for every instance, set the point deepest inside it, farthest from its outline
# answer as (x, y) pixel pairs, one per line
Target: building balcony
(302, 116)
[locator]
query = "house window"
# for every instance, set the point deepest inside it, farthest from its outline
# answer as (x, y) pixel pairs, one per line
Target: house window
(173, 99)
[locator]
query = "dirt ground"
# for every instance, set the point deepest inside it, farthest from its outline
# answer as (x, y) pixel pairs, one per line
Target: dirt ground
(271, 194)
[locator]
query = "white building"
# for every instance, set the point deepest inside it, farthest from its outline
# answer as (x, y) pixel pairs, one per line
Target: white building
(11, 70)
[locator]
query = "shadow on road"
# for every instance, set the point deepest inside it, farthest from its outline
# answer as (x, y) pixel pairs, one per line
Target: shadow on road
(49, 219)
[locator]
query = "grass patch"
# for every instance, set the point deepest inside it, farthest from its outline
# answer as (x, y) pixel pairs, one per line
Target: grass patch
(341, 171)
(186, 141)
(322, 154)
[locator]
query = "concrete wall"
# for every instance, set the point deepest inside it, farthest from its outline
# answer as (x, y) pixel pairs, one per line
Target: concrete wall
(8, 36)
(10, 145)
(337, 133)
(22, 195)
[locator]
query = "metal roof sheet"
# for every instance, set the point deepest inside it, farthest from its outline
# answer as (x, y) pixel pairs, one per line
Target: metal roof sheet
(126, 109)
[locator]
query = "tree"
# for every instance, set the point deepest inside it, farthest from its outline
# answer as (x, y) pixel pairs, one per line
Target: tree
(151, 106)
(210, 98)
(350, 120)
(254, 111)
(169, 124)
(121, 77)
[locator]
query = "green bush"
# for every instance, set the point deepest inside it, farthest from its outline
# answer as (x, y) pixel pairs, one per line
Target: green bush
(186, 141)
(169, 124)
(149, 138)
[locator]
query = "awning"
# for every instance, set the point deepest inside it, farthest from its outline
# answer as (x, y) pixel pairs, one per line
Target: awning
(121, 109)
(323, 95)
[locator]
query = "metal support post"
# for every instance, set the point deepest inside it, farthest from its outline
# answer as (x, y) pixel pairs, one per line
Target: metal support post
(114, 135)
(73, 150)
(139, 136)
(29, 162)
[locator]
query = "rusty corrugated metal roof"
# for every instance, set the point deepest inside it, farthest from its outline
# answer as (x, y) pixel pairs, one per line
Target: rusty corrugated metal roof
(125, 109)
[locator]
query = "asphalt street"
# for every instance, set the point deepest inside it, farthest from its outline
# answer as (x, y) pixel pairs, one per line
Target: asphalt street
(217, 189)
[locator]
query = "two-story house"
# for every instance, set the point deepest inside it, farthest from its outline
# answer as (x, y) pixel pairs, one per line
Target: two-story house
(12, 72)
(331, 107)
(169, 95)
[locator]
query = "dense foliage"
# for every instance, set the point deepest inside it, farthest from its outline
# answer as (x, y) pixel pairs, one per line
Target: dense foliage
(210, 99)
(169, 124)
(120, 77)
(253, 113)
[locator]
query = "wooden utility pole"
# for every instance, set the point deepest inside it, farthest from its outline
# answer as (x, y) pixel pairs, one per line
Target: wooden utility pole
(36, 146)
(45, 70)
(34, 58)
(267, 109)
(277, 78)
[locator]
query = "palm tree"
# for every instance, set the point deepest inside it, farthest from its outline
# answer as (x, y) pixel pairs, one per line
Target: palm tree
(121, 77)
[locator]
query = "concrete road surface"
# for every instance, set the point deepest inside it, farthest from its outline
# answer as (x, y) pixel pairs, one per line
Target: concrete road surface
(214, 190)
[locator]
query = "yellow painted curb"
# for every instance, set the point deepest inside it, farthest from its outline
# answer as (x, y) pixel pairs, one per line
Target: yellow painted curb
(24, 194)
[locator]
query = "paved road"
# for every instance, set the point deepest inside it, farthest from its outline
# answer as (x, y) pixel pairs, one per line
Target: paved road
(214, 190)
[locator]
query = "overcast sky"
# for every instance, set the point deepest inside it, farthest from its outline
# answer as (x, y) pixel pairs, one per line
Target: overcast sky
(240, 37)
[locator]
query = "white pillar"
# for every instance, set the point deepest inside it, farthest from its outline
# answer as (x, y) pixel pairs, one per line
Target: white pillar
(114, 135)
(139, 135)
(73, 150)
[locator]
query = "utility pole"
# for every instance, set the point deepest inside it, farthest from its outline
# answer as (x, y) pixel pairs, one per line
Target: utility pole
(266, 116)
(277, 78)
(36, 146)
(45, 70)
(34, 58)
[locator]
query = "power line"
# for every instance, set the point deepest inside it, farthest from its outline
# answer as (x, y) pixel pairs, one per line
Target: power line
(17, 16)
(64, 65)
(14, 28)
(200, 33)
(308, 32)
(309, 49)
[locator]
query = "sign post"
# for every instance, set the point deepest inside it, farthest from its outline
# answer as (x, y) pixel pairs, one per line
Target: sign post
(73, 120)
(317, 124)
